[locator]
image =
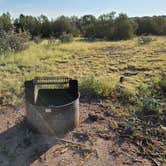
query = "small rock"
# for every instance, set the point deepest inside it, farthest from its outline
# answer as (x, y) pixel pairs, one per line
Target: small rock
(122, 78)
(122, 125)
(95, 117)
(163, 128)
(107, 113)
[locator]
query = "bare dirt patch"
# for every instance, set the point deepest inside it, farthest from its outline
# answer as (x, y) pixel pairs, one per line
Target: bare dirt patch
(93, 143)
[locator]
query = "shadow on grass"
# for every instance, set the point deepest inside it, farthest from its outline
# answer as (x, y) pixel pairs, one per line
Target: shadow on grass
(91, 40)
(20, 145)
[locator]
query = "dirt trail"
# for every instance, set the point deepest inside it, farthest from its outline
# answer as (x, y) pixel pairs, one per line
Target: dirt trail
(20, 146)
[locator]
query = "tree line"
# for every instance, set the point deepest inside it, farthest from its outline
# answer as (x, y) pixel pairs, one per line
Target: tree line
(107, 26)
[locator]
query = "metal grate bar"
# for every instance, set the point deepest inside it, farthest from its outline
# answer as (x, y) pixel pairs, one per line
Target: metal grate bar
(51, 80)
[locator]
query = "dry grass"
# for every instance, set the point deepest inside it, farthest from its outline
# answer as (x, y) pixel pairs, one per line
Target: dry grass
(138, 63)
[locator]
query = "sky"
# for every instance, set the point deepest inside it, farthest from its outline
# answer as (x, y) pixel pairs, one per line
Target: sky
(55, 8)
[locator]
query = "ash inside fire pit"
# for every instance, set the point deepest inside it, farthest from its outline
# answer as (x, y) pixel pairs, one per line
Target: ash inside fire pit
(54, 97)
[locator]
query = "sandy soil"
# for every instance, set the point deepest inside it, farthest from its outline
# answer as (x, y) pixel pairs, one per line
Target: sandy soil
(93, 143)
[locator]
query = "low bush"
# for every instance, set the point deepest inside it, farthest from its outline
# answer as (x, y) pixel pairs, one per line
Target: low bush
(146, 99)
(18, 41)
(66, 38)
(99, 87)
(4, 45)
(125, 95)
(107, 87)
(144, 90)
(162, 85)
(145, 40)
(13, 42)
(150, 106)
(53, 42)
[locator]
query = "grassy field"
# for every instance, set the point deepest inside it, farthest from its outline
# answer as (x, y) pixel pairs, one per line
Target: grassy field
(106, 61)
(134, 109)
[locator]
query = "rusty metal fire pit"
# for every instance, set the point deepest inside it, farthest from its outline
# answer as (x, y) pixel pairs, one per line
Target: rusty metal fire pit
(52, 104)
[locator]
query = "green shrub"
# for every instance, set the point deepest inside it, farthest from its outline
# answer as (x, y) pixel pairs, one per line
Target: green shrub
(146, 99)
(106, 87)
(66, 38)
(150, 105)
(123, 28)
(13, 41)
(143, 91)
(132, 123)
(162, 85)
(4, 45)
(18, 41)
(98, 87)
(125, 95)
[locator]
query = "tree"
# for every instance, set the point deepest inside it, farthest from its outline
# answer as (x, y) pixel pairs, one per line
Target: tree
(87, 22)
(159, 24)
(5, 22)
(106, 25)
(64, 25)
(145, 26)
(45, 26)
(123, 28)
(28, 23)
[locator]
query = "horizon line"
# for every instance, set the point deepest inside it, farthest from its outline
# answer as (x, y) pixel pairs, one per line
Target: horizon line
(78, 15)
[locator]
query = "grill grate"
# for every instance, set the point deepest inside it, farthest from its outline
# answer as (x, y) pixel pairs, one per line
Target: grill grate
(51, 80)
(49, 90)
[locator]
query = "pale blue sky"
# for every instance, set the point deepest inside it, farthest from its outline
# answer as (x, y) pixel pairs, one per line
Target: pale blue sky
(54, 8)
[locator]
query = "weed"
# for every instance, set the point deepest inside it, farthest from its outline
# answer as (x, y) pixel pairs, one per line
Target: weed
(144, 91)
(145, 40)
(162, 85)
(132, 124)
(99, 87)
(150, 106)
(37, 39)
(125, 95)
(66, 38)
(146, 100)
(113, 124)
